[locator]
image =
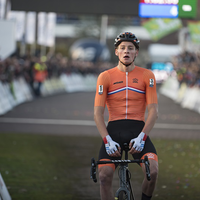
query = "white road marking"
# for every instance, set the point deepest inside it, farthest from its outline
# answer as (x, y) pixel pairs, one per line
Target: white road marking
(89, 123)
(47, 121)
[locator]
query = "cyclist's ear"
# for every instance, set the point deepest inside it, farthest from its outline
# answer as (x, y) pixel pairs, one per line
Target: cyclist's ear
(116, 52)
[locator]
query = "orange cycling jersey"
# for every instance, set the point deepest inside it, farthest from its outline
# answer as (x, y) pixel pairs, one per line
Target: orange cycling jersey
(126, 94)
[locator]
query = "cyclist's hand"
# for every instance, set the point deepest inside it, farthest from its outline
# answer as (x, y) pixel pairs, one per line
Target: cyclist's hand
(138, 143)
(112, 147)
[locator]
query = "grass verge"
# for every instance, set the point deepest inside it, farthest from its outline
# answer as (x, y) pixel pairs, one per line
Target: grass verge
(57, 167)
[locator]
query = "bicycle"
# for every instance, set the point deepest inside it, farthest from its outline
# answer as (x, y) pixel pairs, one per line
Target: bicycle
(125, 191)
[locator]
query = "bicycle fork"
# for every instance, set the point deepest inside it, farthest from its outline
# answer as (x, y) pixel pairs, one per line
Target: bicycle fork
(125, 186)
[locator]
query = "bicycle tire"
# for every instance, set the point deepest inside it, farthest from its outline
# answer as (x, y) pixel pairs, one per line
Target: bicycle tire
(131, 192)
(123, 195)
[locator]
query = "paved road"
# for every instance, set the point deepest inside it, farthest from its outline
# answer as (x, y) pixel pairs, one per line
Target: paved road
(72, 113)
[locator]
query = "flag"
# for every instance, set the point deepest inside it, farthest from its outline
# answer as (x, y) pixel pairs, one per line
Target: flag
(19, 18)
(2, 8)
(41, 37)
(50, 31)
(30, 27)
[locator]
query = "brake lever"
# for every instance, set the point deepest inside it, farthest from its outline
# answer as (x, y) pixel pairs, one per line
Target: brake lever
(93, 170)
(147, 164)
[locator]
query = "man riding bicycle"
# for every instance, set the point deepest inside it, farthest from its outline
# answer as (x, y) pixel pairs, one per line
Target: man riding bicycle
(127, 90)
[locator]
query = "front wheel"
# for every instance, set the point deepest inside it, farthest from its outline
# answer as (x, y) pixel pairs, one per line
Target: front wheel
(123, 195)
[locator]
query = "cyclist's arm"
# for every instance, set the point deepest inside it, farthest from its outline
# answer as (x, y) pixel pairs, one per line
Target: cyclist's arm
(113, 148)
(103, 82)
(151, 118)
(99, 120)
(151, 100)
(138, 143)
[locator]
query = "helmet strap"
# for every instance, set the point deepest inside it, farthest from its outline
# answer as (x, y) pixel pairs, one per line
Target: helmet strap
(128, 63)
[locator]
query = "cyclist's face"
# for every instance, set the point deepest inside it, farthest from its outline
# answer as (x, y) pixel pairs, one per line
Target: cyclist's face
(126, 52)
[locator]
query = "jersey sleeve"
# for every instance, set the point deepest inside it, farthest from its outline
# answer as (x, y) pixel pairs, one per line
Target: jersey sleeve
(102, 89)
(150, 82)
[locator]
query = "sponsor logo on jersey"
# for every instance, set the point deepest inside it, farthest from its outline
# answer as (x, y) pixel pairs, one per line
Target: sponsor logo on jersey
(135, 80)
(151, 156)
(151, 82)
(100, 89)
(118, 82)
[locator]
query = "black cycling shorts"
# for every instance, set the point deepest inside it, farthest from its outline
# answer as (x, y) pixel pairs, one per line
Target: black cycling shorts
(123, 131)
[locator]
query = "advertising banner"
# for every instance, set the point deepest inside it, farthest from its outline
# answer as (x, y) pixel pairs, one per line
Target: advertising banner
(158, 28)
(194, 29)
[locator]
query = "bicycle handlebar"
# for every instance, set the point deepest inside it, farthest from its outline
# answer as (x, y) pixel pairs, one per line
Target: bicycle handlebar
(95, 163)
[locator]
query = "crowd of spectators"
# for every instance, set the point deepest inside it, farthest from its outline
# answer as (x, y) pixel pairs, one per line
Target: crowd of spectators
(57, 64)
(187, 67)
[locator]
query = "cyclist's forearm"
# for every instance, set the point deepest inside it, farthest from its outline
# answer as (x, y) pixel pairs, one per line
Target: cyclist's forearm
(99, 120)
(151, 118)
(101, 127)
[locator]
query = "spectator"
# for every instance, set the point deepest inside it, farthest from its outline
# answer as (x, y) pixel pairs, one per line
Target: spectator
(187, 66)
(40, 74)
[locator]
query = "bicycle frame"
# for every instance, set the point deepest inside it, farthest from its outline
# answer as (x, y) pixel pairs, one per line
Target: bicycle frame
(124, 180)
(125, 184)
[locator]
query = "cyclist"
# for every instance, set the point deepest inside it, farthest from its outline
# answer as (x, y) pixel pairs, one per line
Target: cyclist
(127, 90)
